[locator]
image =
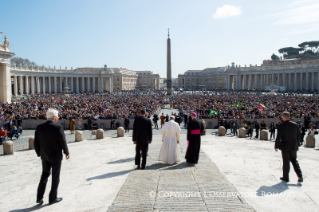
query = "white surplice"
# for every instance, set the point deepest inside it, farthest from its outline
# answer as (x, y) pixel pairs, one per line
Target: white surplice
(169, 153)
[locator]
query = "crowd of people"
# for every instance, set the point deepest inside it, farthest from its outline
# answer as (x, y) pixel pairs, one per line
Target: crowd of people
(225, 105)
(245, 105)
(81, 106)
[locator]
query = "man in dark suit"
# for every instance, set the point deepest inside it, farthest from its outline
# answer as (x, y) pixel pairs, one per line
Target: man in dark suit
(49, 141)
(142, 136)
(257, 126)
(126, 124)
(288, 139)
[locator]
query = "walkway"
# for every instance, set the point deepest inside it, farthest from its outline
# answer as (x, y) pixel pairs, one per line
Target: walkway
(191, 187)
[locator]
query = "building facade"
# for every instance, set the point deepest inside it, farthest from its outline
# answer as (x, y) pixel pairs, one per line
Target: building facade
(81, 80)
(207, 79)
(287, 75)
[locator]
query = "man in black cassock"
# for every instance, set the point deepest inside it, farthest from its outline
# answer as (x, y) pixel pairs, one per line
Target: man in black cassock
(194, 129)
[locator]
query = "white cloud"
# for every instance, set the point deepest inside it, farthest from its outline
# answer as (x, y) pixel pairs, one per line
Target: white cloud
(227, 11)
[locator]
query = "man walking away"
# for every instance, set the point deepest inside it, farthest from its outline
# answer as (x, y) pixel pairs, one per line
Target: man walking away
(142, 136)
(256, 125)
(49, 141)
(288, 139)
(155, 119)
(194, 129)
(126, 124)
(234, 126)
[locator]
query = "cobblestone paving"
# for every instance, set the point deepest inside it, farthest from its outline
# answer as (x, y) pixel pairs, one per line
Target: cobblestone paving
(178, 187)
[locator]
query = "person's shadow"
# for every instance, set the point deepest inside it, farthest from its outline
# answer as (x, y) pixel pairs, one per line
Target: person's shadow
(33, 208)
(275, 189)
(109, 175)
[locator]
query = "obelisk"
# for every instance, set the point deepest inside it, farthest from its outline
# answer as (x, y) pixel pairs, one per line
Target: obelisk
(169, 67)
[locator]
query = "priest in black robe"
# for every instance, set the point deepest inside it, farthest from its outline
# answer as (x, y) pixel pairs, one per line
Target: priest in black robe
(194, 129)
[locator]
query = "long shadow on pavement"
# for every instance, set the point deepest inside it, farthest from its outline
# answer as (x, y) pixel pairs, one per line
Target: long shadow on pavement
(33, 208)
(275, 189)
(109, 175)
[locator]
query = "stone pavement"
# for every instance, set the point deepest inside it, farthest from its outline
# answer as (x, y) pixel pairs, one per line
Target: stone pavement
(100, 176)
(179, 187)
(253, 166)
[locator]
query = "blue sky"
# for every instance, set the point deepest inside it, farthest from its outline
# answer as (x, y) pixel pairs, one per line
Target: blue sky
(132, 33)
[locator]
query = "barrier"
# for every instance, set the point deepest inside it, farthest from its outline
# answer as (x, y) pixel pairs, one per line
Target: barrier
(79, 125)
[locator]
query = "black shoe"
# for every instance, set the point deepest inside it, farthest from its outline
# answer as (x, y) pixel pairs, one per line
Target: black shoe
(283, 179)
(56, 200)
(300, 180)
(138, 167)
(143, 167)
(40, 202)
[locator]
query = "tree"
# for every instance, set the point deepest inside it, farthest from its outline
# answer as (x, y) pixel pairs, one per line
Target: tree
(290, 52)
(22, 62)
(310, 47)
(274, 57)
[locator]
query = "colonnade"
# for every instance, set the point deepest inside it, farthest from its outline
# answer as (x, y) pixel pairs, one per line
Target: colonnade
(292, 81)
(24, 84)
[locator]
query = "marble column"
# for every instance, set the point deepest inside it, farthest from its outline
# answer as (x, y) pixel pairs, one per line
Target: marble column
(82, 85)
(21, 84)
(15, 85)
(93, 84)
(50, 87)
(307, 85)
(102, 84)
(55, 87)
(66, 82)
(110, 85)
(301, 81)
(60, 85)
(289, 82)
(256, 81)
(89, 84)
(272, 78)
(284, 80)
(72, 85)
(245, 82)
(77, 85)
(267, 79)
(262, 82)
(27, 84)
(295, 79)
(250, 82)
(312, 81)
(38, 84)
(43, 84)
(32, 78)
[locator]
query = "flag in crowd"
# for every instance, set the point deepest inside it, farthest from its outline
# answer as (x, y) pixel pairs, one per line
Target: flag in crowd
(261, 106)
(213, 112)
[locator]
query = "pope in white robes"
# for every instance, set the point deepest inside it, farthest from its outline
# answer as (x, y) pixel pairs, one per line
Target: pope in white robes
(169, 153)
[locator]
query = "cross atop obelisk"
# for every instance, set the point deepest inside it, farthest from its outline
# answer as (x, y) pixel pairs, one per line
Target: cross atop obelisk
(169, 67)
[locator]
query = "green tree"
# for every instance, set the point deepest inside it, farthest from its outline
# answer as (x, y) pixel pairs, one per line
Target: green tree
(274, 57)
(290, 52)
(310, 47)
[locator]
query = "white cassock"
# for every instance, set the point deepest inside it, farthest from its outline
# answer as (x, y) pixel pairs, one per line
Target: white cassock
(169, 153)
